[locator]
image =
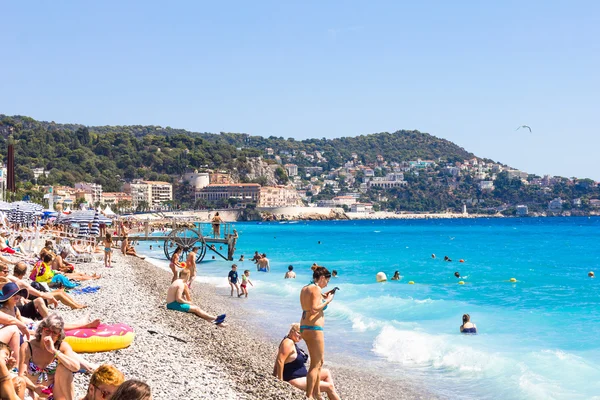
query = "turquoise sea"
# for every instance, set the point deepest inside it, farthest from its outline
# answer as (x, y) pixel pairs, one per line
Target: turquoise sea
(538, 338)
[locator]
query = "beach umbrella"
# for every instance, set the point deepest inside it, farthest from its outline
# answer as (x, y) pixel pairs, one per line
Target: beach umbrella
(83, 230)
(95, 230)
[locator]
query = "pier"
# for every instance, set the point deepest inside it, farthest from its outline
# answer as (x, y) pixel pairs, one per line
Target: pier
(187, 237)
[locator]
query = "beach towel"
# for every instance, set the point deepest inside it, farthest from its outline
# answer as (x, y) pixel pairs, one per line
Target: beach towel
(86, 290)
(62, 280)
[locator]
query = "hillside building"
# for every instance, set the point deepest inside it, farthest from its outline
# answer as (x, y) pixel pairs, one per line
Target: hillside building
(244, 192)
(153, 193)
(197, 180)
(278, 196)
(92, 191)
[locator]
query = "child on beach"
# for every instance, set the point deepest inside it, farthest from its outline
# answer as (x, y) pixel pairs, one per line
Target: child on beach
(107, 250)
(180, 299)
(245, 281)
(233, 278)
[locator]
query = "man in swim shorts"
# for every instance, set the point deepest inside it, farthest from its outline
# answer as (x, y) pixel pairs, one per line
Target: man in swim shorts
(263, 264)
(179, 299)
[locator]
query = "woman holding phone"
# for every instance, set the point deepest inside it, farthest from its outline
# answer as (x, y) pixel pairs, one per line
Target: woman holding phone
(314, 302)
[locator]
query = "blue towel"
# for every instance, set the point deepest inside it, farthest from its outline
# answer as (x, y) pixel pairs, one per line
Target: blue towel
(87, 289)
(64, 281)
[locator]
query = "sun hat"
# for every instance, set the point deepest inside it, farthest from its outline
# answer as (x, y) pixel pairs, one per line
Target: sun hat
(11, 289)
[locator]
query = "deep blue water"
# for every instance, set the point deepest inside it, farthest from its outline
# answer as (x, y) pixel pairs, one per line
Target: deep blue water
(538, 337)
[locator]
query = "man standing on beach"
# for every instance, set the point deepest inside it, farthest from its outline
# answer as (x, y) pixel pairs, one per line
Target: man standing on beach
(190, 264)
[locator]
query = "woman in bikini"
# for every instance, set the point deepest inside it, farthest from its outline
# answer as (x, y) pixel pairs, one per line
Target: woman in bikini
(175, 263)
(313, 303)
(290, 367)
(47, 362)
(108, 250)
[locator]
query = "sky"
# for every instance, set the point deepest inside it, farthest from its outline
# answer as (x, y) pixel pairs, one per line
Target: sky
(469, 71)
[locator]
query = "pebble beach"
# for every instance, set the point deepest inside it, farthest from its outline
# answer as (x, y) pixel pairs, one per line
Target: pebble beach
(184, 357)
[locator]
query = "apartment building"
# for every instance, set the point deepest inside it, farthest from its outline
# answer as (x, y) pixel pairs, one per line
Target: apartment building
(153, 193)
(278, 196)
(93, 191)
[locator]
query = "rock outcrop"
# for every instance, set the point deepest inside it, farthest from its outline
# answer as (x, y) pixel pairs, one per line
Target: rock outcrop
(255, 168)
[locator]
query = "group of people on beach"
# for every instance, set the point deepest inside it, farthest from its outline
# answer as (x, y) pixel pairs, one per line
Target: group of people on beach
(35, 360)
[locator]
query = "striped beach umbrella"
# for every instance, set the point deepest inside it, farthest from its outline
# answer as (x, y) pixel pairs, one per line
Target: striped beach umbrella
(95, 229)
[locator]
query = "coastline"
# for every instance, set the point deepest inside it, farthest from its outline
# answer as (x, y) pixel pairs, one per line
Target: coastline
(230, 363)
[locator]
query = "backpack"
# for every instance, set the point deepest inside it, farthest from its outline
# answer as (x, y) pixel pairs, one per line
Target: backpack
(35, 270)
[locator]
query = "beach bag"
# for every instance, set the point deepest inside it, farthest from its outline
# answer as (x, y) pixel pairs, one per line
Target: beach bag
(34, 271)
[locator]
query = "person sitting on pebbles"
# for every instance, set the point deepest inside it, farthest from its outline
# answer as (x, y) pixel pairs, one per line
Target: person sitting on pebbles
(290, 365)
(179, 299)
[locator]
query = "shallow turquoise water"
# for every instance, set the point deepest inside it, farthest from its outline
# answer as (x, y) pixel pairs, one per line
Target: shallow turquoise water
(538, 337)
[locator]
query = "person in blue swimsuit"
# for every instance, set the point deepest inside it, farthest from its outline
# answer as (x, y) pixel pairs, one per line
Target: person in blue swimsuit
(313, 302)
(467, 326)
(290, 365)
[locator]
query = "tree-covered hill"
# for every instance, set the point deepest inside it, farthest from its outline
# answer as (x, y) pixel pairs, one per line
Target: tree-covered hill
(398, 146)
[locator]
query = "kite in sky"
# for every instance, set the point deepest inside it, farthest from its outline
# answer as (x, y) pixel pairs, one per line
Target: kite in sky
(524, 126)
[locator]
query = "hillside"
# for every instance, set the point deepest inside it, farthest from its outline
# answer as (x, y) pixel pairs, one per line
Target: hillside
(111, 155)
(103, 153)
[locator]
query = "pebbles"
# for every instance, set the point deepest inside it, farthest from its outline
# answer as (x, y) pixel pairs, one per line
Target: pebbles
(189, 358)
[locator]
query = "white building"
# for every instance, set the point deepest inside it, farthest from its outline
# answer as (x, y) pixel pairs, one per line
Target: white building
(197, 180)
(93, 190)
(555, 205)
(522, 211)
(154, 193)
(37, 172)
(486, 185)
(361, 207)
(292, 169)
(2, 181)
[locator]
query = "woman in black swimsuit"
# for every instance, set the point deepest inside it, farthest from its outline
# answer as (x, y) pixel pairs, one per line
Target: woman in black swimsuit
(290, 365)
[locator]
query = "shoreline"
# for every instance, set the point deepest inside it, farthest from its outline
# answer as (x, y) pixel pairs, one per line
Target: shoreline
(324, 214)
(218, 363)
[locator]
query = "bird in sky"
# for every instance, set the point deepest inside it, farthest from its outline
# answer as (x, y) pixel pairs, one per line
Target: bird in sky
(524, 126)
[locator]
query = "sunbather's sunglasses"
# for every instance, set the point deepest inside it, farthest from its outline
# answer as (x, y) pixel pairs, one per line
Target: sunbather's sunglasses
(103, 393)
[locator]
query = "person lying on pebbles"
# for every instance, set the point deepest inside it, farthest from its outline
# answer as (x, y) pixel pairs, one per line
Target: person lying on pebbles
(179, 299)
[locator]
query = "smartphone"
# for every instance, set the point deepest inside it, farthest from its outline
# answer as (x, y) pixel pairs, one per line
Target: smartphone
(334, 289)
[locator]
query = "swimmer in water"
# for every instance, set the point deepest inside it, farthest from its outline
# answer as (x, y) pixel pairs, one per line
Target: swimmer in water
(150, 247)
(457, 274)
(591, 274)
(396, 276)
(334, 273)
(290, 274)
(433, 256)
(446, 258)
(467, 326)
(241, 258)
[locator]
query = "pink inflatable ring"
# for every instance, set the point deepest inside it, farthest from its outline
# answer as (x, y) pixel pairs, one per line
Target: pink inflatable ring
(102, 338)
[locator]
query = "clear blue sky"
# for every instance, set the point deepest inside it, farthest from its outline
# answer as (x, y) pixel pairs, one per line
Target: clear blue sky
(466, 71)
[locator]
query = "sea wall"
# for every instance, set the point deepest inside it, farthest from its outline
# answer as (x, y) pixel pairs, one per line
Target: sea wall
(301, 213)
